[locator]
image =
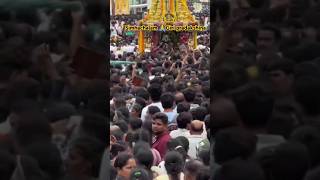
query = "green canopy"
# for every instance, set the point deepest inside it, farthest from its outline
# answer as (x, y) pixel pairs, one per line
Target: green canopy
(130, 33)
(116, 63)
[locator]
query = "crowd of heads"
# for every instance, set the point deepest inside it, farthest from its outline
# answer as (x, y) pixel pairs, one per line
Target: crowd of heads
(258, 120)
(159, 106)
(265, 112)
(53, 120)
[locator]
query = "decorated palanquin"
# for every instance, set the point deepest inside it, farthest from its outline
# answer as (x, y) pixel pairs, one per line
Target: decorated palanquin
(167, 12)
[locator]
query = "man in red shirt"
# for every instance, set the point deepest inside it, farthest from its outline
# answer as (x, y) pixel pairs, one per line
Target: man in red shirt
(160, 132)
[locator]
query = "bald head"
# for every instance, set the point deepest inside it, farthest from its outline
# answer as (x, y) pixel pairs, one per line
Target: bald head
(196, 127)
(224, 114)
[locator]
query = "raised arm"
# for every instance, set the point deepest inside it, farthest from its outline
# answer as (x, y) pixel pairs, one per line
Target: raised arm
(77, 37)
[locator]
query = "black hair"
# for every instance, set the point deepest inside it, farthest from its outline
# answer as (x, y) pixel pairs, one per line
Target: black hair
(116, 149)
(140, 174)
(124, 111)
(174, 164)
(153, 110)
(181, 86)
(155, 92)
(156, 81)
(176, 145)
(122, 160)
(167, 100)
(143, 93)
(163, 117)
(190, 60)
(193, 166)
(183, 119)
(254, 104)
(135, 123)
(118, 134)
(147, 125)
(170, 88)
(139, 135)
(141, 101)
(119, 101)
(183, 107)
(234, 143)
(240, 169)
(137, 108)
(123, 125)
(199, 113)
(144, 158)
(189, 94)
(172, 144)
(184, 142)
(140, 144)
(91, 149)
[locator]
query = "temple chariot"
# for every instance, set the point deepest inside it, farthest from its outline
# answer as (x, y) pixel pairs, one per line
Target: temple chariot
(163, 14)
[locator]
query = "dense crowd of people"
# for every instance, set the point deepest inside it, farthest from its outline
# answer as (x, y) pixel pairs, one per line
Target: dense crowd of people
(265, 99)
(256, 118)
(265, 108)
(159, 106)
(52, 114)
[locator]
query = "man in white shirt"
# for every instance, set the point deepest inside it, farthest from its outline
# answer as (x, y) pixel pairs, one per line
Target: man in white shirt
(195, 136)
(155, 92)
(183, 121)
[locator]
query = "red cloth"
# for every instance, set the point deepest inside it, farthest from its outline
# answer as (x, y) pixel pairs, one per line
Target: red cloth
(184, 38)
(160, 143)
(155, 39)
